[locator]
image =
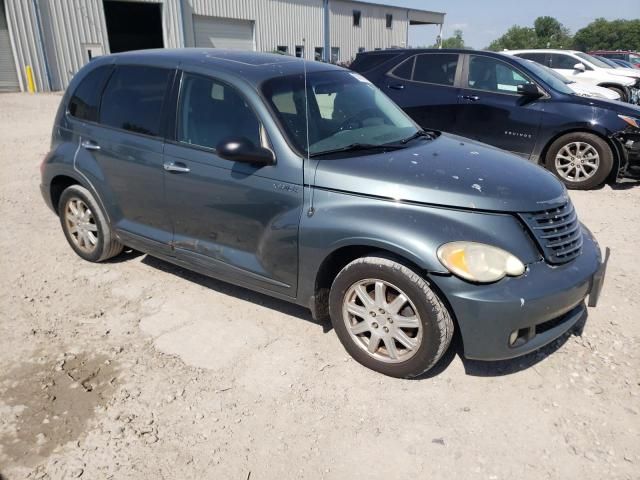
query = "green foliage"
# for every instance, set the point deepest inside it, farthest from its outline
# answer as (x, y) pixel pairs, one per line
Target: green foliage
(609, 35)
(548, 32)
(515, 38)
(456, 41)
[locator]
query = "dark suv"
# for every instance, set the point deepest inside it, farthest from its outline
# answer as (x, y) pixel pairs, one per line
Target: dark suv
(308, 184)
(627, 55)
(513, 104)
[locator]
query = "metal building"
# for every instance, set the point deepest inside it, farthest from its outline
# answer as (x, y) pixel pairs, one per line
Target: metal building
(57, 37)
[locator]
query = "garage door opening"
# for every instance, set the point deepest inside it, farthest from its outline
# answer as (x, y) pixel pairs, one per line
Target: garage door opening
(133, 25)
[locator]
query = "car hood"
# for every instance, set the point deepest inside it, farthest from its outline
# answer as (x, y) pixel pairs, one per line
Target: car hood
(449, 171)
(624, 72)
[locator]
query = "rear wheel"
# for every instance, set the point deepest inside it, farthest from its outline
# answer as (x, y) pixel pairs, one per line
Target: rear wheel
(388, 318)
(85, 225)
(581, 160)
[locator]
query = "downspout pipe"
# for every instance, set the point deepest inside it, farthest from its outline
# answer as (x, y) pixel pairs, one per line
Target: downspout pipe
(327, 32)
(36, 9)
(182, 26)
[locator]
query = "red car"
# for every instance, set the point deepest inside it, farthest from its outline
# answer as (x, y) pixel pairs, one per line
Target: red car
(627, 55)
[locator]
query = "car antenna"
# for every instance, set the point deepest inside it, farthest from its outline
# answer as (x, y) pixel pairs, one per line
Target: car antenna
(311, 210)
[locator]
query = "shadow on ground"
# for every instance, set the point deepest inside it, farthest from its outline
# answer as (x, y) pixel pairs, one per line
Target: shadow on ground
(472, 367)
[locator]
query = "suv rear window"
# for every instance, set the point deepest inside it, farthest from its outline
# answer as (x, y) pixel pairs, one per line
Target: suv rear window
(364, 63)
(133, 99)
(86, 98)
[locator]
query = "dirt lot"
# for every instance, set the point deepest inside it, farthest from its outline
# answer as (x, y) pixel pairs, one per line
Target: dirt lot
(138, 369)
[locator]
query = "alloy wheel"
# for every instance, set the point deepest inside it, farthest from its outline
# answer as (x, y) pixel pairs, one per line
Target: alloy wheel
(382, 320)
(577, 161)
(81, 225)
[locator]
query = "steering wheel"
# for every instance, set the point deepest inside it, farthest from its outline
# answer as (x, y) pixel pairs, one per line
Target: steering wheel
(358, 117)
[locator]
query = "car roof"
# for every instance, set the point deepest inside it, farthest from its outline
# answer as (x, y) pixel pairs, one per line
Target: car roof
(544, 50)
(254, 67)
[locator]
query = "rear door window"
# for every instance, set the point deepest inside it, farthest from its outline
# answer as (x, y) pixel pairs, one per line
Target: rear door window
(86, 99)
(438, 68)
(133, 99)
(541, 58)
(563, 62)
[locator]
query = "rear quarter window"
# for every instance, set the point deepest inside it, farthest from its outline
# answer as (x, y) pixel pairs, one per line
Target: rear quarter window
(85, 101)
(133, 99)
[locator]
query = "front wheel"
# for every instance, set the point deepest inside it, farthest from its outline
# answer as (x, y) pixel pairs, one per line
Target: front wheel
(388, 318)
(581, 160)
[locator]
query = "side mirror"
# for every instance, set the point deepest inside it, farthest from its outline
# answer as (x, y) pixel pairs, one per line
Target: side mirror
(529, 90)
(579, 67)
(241, 149)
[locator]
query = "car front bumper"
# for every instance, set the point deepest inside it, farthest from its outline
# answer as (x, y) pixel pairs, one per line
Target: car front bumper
(535, 309)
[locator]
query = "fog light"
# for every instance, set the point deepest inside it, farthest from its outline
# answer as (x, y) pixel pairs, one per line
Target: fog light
(513, 337)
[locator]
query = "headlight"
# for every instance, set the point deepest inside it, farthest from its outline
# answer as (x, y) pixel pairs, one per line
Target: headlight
(478, 262)
(634, 122)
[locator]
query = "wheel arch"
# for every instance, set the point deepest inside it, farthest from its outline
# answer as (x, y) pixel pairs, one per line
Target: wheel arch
(59, 184)
(609, 141)
(341, 256)
(622, 88)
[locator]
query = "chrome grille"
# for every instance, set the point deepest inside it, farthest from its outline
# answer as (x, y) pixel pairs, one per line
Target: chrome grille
(557, 231)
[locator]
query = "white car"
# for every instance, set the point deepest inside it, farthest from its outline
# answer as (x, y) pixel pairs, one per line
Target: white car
(587, 70)
(585, 89)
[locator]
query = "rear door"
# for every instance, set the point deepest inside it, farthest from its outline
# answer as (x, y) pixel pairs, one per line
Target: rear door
(492, 111)
(426, 87)
(127, 146)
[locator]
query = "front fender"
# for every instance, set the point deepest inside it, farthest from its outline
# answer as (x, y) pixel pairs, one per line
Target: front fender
(411, 231)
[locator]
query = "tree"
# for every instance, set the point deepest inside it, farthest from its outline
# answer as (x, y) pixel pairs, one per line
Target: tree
(456, 41)
(551, 33)
(546, 32)
(602, 34)
(515, 38)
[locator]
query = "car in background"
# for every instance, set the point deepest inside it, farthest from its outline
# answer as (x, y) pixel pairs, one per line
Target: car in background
(513, 104)
(623, 63)
(627, 55)
(585, 68)
(584, 89)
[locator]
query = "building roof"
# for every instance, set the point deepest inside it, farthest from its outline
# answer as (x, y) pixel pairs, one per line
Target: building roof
(416, 16)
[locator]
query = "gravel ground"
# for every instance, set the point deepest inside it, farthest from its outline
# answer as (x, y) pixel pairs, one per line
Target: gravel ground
(138, 369)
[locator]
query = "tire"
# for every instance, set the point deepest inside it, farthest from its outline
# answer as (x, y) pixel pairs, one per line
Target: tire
(428, 326)
(572, 158)
(85, 225)
(621, 92)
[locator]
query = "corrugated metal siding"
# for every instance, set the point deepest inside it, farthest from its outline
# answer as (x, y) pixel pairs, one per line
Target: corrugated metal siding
(71, 25)
(277, 22)
(8, 76)
(22, 24)
(372, 32)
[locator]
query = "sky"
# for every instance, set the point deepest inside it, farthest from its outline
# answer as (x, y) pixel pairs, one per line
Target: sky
(485, 20)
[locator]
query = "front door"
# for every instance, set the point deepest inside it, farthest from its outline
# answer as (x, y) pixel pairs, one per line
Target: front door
(237, 221)
(491, 110)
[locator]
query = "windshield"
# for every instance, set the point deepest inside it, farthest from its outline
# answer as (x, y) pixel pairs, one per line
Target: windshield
(635, 59)
(551, 78)
(344, 109)
(592, 60)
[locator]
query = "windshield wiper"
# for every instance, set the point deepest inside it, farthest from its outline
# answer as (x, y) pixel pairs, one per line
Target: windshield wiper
(419, 133)
(354, 147)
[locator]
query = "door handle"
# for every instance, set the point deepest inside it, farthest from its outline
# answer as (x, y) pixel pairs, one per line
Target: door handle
(396, 86)
(471, 98)
(176, 167)
(89, 145)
